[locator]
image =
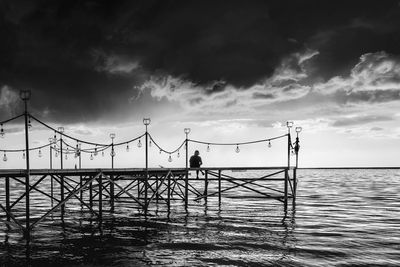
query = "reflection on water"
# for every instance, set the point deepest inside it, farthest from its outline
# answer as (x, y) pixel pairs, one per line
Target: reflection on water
(342, 218)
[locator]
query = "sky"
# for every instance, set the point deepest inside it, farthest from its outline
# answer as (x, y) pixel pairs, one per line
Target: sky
(232, 71)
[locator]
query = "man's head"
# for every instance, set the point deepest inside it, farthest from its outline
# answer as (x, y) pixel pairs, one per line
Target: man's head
(197, 153)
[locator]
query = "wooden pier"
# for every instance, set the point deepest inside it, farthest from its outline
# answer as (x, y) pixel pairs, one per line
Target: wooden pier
(100, 190)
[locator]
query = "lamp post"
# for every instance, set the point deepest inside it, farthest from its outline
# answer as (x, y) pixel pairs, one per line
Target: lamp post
(146, 122)
(51, 152)
(112, 154)
(187, 131)
(61, 131)
(51, 141)
(289, 125)
(297, 145)
(25, 96)
(296, 150)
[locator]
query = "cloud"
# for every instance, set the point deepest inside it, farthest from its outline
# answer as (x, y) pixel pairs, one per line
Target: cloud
(374, 79)
(9, 102)
(220, 97)
(86, 60)
(358, 120)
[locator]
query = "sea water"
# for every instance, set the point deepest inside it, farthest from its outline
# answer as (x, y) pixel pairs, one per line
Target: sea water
(341, 218)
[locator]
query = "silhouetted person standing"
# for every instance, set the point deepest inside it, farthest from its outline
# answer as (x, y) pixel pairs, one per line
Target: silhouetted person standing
(195, 162)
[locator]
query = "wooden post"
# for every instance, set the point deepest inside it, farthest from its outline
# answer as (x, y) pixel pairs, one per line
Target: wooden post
(219, 187)
(51, 176)
(169, 192)
(51, 157)
(289, 125)
(286, 189)
(61, 130)
(7, 188)
(100, 181)
(80, 176)
(206, 185)
(156, 176)
(112, 180)
(187, 131)
(146, 179)
(25, 96)
(91, 193)
(294, 186)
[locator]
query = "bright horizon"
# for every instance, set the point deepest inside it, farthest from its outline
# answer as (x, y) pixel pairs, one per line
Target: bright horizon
(231, 73)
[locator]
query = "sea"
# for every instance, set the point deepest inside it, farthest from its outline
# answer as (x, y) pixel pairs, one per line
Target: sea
(342, 217)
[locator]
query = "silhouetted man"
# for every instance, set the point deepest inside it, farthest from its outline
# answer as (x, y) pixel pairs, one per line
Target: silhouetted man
(195, 162)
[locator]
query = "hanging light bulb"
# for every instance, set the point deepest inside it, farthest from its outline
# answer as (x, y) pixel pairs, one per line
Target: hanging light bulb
(66, 156)
(95, 151)
(75, 155)
(40, 153)
(269, 143)
(160, 151)
(2, 133)
(112, 152)
(237, 149)
(127, 147)
(29, 124)
(208, 148)
(170, 158)
(55, 137)
(150, 143)
(5, 157)
(178, 155)
(91, 156)
(23, 155)
(56, 155)
(293, 153)
(139, 144)
(102, 153)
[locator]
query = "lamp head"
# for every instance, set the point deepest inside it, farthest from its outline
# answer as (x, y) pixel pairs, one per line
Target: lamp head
(289, 124)
(298, 129)
(187, 130)
(25, 94)
(60, 129)
(146, 121)
(112, 135)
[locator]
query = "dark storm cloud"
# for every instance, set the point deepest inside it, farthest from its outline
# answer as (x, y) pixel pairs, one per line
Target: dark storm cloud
(82, 58)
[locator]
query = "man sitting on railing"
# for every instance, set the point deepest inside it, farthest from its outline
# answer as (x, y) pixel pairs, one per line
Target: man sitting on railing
(195, 162)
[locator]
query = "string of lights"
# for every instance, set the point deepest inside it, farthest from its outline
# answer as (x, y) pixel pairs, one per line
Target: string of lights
(164, 150)
(237, 149)
(84, 141)
(100, 147)
(85, 150)
(21, 150)
(2, 132)
(239, 143)
(13, 118)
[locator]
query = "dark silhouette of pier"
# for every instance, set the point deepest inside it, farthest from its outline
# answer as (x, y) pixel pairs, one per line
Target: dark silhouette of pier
(100, 190)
